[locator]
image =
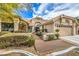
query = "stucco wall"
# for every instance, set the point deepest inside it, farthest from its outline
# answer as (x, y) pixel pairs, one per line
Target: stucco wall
(49, 28)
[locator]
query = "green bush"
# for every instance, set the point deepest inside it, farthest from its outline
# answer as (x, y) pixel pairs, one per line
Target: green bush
(57, 33)
(57, 36)
(51, 37)
(18, 40)
(31, 41)
(39, 33)
(57, 30)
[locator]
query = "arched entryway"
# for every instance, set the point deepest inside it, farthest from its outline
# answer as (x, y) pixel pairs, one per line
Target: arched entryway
(37, 26)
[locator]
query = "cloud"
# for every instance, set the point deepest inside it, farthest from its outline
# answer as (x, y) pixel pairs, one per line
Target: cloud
(40, 9)
(67, 9)
(50, 10)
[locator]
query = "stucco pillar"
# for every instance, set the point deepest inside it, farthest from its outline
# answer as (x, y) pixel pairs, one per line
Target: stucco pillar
(33, 29)
(0, 25)
(74, 29)
(77, 30)
(16, 24)
(54, 27)
(26, 28)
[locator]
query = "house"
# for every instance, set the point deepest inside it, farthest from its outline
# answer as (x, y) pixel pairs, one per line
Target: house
(67, 25)
(13, 24)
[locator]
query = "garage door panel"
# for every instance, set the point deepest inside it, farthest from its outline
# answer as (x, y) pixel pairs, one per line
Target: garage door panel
(65, 31)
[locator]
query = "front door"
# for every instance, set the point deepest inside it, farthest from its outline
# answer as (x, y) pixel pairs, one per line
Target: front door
(37, 29)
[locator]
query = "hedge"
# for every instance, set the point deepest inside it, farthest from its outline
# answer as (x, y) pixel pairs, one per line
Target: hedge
(15, 41)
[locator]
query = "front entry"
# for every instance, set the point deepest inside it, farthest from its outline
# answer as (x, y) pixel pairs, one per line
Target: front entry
(37, 27)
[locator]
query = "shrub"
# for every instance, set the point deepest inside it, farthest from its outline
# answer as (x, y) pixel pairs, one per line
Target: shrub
(57, 30)
(31, 41)
(57, 33)
(57, 36)
(51, 37)
(39, 33)
(18, 40)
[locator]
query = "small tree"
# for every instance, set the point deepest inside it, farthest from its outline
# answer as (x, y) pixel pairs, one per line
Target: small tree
(57, 30)
(57, 33)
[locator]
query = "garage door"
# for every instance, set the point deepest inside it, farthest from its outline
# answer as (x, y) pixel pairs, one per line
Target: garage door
(65, 31)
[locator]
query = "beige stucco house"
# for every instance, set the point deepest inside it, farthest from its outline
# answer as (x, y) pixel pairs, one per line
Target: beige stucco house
(67, 25)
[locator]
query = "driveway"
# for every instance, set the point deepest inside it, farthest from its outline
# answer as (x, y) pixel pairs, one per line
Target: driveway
(47, 47)
(71, 39)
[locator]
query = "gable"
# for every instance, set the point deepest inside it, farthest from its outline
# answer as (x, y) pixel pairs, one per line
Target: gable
(64, 20)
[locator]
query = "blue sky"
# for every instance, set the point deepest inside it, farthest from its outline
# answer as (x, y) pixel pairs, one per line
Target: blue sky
(49, 10)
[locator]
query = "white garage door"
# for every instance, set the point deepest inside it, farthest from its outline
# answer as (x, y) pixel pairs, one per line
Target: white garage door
(65, 31)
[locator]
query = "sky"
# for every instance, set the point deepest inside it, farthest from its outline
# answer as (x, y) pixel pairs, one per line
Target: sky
(49, 10)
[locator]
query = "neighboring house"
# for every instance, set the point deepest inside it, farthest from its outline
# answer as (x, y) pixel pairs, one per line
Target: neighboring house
(13, 24)
(67, 25)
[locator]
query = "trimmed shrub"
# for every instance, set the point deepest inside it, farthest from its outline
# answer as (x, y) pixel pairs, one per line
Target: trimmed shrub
(57, 33)
(57, 36)
(51, 37)
(39, 33)
(18, 40)
(31, 41)
(57, 30)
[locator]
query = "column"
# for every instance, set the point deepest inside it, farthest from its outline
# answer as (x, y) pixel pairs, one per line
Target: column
(26, 27)
(74, 29)
(16, 24)
(33, 29)
(54, 27)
